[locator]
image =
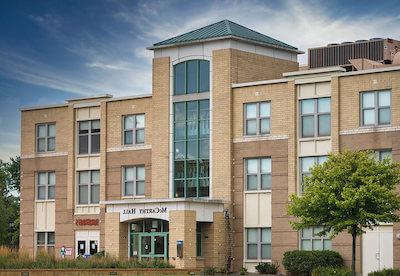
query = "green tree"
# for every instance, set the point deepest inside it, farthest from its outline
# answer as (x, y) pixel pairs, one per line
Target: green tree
(349, 192)
(9, 202)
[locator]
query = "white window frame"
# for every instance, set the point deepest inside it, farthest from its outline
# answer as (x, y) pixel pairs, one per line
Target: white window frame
(259, 243)
(314, 237)
(302, 174)
(46, 137)
(46, 186)
(46, 244)
(259, 174)
(258, 118)
(89, 135)
(135, 180)
(376, 108)
(379, 154)
(316, 116)
(134, 129)
(90, 184)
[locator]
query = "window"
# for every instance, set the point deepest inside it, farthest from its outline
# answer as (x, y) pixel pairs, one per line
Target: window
(257, 118)
(306, 163)
(191, 148)
(315, 117)
(89, 137)
(45, 242)
(375, 108)
(258, 243)
(88, 187)
(380, 155)
(133, 129)
(134, 181)
(46, 182)
(45, 137)
(198, 239)
(310, 240)
(258, 174)
(192, 76)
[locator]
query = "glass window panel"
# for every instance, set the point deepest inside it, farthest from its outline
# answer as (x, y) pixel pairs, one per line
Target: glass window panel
(307, 126)
(306, 245)
(51, 130)
(384, 116)
(251, 127)
(307, 163)
(95, 125)
(317, 230)
(252, 166)
(204, 148)
(191, 188)
(51, 144)
(128, 137)
(179, 169)
(41, 144)
(266, 235)
(265, 109)
(368, 99)
(204, 76)
(369, 117)
(265, 165)
(83, 144)
(42, 178)
(324, 105)
(129, 173)
(192, 129)
(179, 188)
(204, 189)
(327, 244)
(41, 131)
(180, 131)
(96, 177)
(322, 159)
(324, 125)
(204, 167)
(317, 244)
(140, 188)
(51, 192)
(179, 78)
(52, 178)
(266, 180)
(180, 112)
(95, 143)
(192, 149)
(264, 126)
(192, 110)
(252, 251)
(251, 111)
(140, 136)
(83, 194)
(41, 192)
(140, 173)
(385, 154)
(192, 74)
(180, 152)
(204, 105)
(204, 128)
(252, 182)
(139, 121)
(129, 122)
(83, 127)
(41, 238)
(384, 98)
(95, 194)
(50, 238)
(129, 188)
(265, 251)
(307, 106)
(84, 177)
(191, 169)
(252, 235)
(307, 233)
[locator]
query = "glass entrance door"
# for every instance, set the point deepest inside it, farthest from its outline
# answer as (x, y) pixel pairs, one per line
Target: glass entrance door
(153, 245)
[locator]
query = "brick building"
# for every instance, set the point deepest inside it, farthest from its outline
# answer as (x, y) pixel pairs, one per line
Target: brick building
(199, 172)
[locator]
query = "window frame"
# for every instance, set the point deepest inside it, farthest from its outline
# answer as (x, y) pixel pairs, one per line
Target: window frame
(258, 118)
(90, 185)
(316, 115)
(259, 174)
(46, 245)
(46, 186)
(135, 180)
(303, 174)
(198, 77)
(376, 108)
(312, 238)
(379, 154)
(134, 130)
(259, 243)
(89, 135)
(46, 137)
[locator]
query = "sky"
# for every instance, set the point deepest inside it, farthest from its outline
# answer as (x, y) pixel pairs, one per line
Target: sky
(55, 50)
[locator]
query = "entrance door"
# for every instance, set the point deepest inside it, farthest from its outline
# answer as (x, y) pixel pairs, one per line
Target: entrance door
(377, 249)
(153, 245)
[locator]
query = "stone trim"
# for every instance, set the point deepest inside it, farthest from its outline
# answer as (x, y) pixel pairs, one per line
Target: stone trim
(369, 130)
(245, 139)
(128, 148)
(38, 155)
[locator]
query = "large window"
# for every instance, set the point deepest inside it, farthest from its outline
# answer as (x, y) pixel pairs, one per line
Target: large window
(88, 187)
(258, 174)
(192, 76)
(45, 137)
(45, 242)
(134, 178)
(306, 163)
(89, 137)
(375, 108)
(315, 117)
(380, 155)
(258, 243)
(257, 118)
(133, 129)
(310, 239)
(191, 148)
(46, 182)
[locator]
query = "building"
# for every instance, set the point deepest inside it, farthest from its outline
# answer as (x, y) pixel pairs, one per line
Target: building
(199, 172)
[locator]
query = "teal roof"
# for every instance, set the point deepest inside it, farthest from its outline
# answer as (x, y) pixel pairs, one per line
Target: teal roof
(223, 29)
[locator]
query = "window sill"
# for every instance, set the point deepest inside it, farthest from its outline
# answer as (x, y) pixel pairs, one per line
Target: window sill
(259, 192)
(133, 197)
(257, 135)
(88, 155)
(257, 261)
(87, 205)
(318, 138)
(374, 126)
(44, 200)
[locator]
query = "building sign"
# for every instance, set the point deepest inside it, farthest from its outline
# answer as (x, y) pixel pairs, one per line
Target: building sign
(68, 251)
(87, 222)
(143, 211)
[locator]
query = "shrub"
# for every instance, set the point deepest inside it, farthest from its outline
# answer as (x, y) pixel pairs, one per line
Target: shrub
(304, 262)
(329, 271)
(385, 272)
(267, 268)
(210, 270)
(243, 271)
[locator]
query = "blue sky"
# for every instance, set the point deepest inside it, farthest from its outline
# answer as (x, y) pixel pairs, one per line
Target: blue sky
(60, 49)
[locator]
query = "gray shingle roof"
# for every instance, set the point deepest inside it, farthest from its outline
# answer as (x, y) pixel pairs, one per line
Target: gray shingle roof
(221, 29)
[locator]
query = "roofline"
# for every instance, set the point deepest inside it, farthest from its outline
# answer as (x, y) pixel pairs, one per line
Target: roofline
(255, 83)
(139, 96)
(314, 71)
(222, 38)
(29, 108)
(371, 71)
(90, 98)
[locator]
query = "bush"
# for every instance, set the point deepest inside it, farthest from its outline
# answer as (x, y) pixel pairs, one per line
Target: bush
(385, 272)
(243, 271)
(328, 271)
(267, 268)
(304, 262)
(210, 270)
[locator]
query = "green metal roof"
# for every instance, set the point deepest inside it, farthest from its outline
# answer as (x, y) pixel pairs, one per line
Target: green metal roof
(223, 29)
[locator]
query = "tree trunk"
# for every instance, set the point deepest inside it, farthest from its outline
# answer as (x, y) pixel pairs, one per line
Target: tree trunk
(353, 251)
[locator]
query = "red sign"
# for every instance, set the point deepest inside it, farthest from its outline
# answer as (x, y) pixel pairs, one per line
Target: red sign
(87, 222)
